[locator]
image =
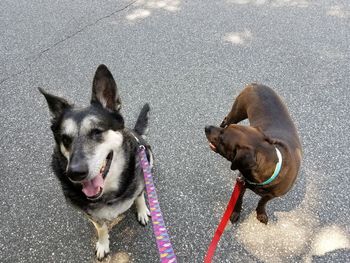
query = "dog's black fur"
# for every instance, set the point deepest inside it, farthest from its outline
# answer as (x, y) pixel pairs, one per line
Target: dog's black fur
(127, 188)
(107, 120)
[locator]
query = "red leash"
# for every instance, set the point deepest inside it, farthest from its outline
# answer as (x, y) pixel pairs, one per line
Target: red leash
(229, 209)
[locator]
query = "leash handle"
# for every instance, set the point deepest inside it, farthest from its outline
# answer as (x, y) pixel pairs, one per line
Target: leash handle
(165, 249)
(221, 227)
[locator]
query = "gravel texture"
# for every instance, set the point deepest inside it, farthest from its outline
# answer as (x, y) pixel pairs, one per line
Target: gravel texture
(188, 59)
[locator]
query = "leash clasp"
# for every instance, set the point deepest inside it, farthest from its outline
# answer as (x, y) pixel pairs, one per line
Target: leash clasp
(240, 179)
(142, 147)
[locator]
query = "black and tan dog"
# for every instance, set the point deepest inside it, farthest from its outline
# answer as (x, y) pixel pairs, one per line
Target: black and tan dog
(95, 156)
(267, 153)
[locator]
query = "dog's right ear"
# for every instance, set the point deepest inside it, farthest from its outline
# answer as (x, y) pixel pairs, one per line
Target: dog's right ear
(56, 104)
(104, 90)
(244, 158)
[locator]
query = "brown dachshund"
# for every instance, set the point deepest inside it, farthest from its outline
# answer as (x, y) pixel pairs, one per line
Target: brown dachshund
(267, 153)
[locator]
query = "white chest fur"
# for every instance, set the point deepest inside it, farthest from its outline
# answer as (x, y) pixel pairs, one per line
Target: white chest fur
(111, 212)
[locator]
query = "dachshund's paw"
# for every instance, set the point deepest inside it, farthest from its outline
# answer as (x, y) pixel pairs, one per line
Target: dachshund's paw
(262, 218)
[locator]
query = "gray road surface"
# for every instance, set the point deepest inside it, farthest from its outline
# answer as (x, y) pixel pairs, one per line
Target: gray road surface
(188, 59)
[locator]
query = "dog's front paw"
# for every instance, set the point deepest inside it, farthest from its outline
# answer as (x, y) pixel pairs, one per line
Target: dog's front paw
(102, 249)
(224, 123)
(143, 216)
(262, 218)
(234, 217)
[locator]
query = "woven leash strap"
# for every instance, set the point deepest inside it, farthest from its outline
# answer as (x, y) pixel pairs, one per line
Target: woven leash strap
(165, 248)
(229, 209)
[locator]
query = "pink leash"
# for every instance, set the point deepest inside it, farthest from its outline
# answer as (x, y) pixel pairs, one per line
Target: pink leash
(165, 248)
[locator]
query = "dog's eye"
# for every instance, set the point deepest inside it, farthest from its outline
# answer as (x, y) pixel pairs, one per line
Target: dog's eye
(96, 133)
(66, 140)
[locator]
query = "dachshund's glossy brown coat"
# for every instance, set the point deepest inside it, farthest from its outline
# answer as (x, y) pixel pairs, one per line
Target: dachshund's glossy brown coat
(251, 149)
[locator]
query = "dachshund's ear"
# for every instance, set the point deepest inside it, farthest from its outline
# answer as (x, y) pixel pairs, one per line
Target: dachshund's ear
(243, 159)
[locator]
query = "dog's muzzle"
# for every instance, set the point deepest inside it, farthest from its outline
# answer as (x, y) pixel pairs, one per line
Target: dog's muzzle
(92, 188)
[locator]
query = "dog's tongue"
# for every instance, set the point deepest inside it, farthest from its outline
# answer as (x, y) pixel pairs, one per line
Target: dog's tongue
(92, 187)
(212, 146)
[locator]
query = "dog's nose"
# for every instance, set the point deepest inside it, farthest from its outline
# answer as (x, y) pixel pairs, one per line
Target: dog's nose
(78, 171)
(208, 129)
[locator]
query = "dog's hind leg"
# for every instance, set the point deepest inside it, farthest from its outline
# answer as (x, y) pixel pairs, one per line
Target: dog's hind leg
(260, 210)
(102, 244)
(142, 210)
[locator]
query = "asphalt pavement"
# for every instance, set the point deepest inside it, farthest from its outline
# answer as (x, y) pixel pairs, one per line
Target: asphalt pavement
(188, 59)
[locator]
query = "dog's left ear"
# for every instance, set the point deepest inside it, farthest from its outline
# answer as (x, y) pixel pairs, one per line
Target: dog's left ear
(243, 159)
(56, 104)
(104, 90)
